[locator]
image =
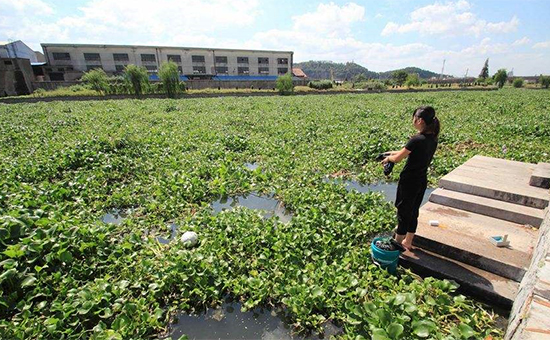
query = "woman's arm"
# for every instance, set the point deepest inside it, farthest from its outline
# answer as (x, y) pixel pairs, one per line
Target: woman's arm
(397, 156)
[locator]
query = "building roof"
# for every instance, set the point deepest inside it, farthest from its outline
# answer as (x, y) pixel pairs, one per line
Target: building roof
(297, 72)
(149, 46)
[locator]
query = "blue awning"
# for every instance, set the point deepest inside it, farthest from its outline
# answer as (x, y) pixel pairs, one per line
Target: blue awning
(156, 77)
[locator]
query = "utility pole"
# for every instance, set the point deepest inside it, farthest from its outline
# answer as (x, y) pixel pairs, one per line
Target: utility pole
(442, 70)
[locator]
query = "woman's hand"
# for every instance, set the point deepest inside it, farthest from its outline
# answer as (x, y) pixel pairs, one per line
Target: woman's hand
(386, 160)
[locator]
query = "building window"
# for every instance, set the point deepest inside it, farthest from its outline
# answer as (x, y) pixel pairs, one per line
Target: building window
(61, 56)
(221, 60)
(243, 70)
(282, 70)
(242, 60)
(148, 58)
(197, 59)
(174, 57)
(92, 57)
(199, 69)
(282, 61)
(92, 67)
(263, 70)
(222, 70)
(56, 76)
(151, 68)
(121, 57)
(7, 62)
(263, 61)
(119, 68)
(180, 69)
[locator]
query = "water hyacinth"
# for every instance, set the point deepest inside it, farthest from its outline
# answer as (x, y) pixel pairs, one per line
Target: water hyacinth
(66, 274)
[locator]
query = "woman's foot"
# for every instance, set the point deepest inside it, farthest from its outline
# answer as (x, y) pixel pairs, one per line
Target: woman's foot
(408, 241)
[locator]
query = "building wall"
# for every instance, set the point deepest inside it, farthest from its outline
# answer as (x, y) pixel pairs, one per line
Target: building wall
(16, 76)
(78, 63)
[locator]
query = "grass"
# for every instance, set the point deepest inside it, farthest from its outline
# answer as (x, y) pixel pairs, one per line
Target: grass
(64, 164)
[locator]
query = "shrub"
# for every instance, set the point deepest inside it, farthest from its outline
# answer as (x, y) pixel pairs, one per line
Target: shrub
(284, 84)
(97, 79)
(500, 77)
(518, 82)
(137, 77)
(544, 81)
(39, 92)
(412, 80)
(399, 77)
(320, 84)
(170, 77)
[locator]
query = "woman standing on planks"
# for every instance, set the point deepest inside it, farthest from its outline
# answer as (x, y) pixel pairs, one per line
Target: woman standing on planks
(413, 179)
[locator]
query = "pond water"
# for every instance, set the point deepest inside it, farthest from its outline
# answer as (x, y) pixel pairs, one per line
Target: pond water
(389, 190)
(173, 230)
(229, 322)
(251, 166)
(114, 216)
(269, 205)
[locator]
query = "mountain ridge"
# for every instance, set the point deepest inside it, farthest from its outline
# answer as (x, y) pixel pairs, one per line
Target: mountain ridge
(321, 69)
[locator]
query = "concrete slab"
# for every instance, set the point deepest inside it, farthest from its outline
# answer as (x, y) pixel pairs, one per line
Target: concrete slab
(537, 319)
(541, 176)
(483, 285)
(497, 179)
(489, 207)
(465, 236)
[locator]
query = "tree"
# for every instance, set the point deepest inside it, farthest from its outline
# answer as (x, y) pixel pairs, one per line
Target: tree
(284, 84)
(360, 78)
(170, 77)
(137, 77)
(484, 74)
(400, 77)
(97, 79)
(500, 77)
(412, 80)
(518, 82)
(544, 81)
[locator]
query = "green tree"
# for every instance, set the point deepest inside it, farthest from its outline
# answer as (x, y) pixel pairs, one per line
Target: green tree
(400, 77)
(137, 77)
(170, 77)
(360, 78)
(500, 77)
(544, 81)
(97, 79)
(412, 80)
(284, 84)
(518, 82)
(484, 74)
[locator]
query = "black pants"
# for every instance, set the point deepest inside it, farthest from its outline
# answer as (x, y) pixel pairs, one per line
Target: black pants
(410, 192)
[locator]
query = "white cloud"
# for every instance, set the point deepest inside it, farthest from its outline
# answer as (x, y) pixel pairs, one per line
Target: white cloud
(451, 18)
(521, 42)
(544, 44)
(330, 19)
(166, 22)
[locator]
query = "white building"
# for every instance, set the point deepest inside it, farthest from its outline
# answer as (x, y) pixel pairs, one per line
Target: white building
(72, 60)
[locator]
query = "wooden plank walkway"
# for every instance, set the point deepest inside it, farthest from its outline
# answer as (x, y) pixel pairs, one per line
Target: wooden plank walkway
(482, 198)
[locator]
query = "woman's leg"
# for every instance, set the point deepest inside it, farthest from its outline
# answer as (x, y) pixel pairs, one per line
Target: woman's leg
(404, 204)
(413, 223)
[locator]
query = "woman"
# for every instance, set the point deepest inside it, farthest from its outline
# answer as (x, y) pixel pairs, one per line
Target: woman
(413, 179)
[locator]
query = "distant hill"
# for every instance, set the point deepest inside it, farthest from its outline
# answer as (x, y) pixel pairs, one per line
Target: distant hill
(321, 70)
(346, 71)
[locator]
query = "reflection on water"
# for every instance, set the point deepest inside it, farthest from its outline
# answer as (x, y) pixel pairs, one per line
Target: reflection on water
(114, 216)
(228, 322)
(251, 166)
(389, 190)
(173, 230)
(269, 205)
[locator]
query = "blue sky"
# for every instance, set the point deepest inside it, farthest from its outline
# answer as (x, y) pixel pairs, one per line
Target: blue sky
(380, 35)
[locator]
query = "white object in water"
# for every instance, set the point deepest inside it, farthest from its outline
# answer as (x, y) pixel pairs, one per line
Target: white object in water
(434, 223)
(500, 241)
(189, 238)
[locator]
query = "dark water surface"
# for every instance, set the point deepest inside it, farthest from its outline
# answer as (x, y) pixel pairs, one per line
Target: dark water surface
(228, 322)
(269, 205)
(389, 190)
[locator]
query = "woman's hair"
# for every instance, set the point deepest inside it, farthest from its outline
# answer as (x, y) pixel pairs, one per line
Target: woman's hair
(427, 113)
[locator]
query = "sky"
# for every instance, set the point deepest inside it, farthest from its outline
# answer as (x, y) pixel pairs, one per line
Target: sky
(380, 35)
